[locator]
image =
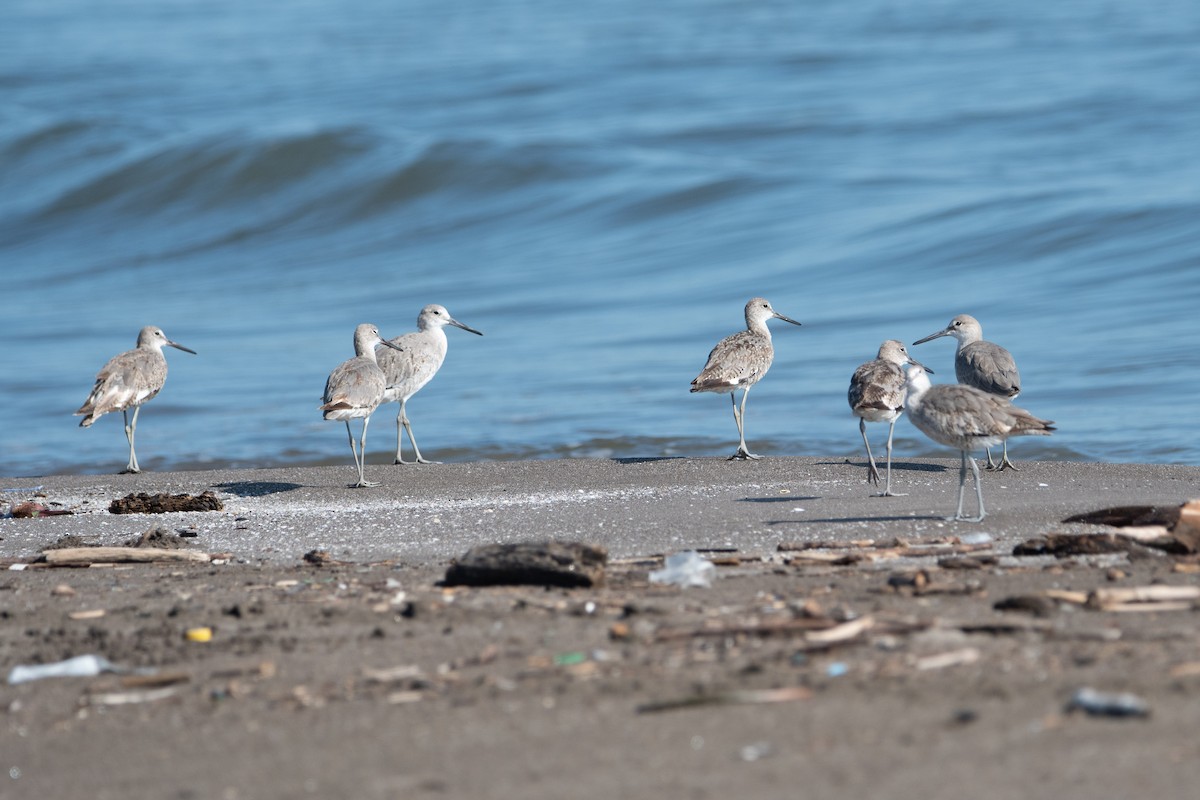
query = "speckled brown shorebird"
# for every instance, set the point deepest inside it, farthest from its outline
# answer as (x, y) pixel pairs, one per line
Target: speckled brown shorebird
(128, 380)
(740, 361)
(876, 394)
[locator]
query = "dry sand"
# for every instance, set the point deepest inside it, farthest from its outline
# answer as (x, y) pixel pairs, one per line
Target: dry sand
(362, 677)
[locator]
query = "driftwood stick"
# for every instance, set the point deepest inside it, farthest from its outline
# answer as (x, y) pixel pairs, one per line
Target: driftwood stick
(112, 555)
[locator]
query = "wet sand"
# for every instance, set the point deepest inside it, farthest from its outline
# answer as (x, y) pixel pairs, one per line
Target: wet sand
(363, 677)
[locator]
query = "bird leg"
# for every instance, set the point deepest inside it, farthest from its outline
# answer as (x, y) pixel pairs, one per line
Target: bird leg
(1004, 462)
(403, 423)
(360, 454)
(739, 417)
(887, 489)
(130, 429)
(872, 470)
(962, 482)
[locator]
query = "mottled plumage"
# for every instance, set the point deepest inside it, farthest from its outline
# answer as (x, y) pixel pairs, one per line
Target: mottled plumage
(355, 389)
(876, 394)
(984, 365)
(740, 361)
(407, 371)
(966, 418)
(128, 380)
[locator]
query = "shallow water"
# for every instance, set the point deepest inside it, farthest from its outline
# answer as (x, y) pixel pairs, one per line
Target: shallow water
(599, 189)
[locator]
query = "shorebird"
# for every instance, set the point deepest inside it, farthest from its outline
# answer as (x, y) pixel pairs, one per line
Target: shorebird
(982, 364)
(877, 395)
(740, 361)
(128, 380)
(965, 418)
(421, 356)
(355, 389)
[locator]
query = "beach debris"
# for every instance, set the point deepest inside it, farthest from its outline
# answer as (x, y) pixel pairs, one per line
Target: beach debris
(756, 751)
(1173, 529)
(79, 556)
(86, 666)
(160, 538)
(321, 558)
(1144, 598)
(200, 635)
(547, 563)
(1039, 605)
(132, 697)
(920, 582)
(1063, 545)
(897, 547)
(90, 613)
(142, 503)
(967, 562)
(1107, 704)
(686, 568)
(788, 694)
(953, 658)
(33, 510)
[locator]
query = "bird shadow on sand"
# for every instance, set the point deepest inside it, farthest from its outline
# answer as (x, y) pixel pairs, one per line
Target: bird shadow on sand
(832, 520)
(257, 488)
(905, 466)
(787, 498)
(647, 459)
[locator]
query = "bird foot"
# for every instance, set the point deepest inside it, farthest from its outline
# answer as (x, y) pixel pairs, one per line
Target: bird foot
(1003, 465)
(872, 476)
(958, 518)
(362, 485)
(890, 494)
(743, 455)
(129, 471)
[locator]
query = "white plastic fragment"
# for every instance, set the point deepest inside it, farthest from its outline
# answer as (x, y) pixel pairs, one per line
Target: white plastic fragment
(1108, 704)
(687, 568)
(77, 667)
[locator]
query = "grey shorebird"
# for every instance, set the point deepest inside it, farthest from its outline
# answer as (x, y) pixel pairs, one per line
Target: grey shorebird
(876, 394)
(740, 361)
(984, 365)
(407, 370)
(966, 418)
(128, 380)
(355, 389)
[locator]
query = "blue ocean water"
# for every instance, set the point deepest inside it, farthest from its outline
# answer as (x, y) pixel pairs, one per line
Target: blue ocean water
(599, 188)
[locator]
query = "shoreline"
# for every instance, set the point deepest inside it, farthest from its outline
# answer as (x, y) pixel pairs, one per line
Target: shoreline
(633, 507)
(893, 672)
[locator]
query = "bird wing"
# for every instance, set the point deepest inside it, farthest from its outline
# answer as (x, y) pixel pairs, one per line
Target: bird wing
(989, 368)
(357, 383)
(877, 384)
(128, 379)
(413, 367)
(737, 360)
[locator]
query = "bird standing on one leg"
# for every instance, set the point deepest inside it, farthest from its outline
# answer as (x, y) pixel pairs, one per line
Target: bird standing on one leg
(876, 394)
(128, 380)
(966, 418)
(740, 361)
(983, 365)
(355, 389)
(422, 355)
